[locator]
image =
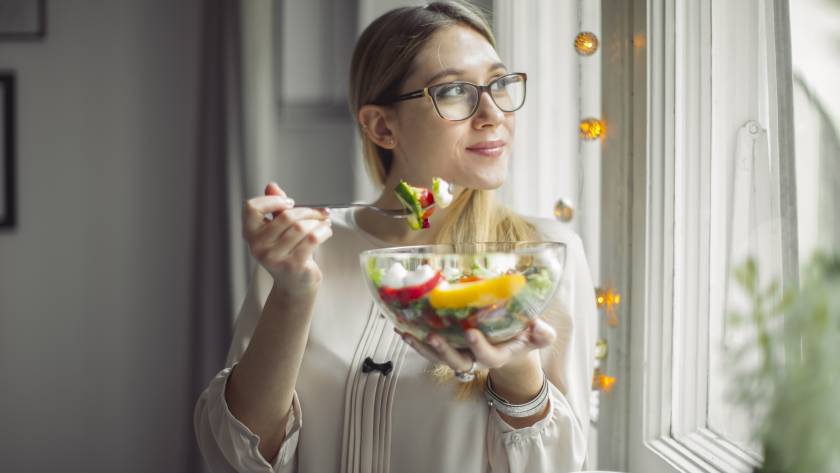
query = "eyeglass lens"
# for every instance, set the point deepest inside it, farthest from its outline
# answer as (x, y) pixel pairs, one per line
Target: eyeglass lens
(457, 101)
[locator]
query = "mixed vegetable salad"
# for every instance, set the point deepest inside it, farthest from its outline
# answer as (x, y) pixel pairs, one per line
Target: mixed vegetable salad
(422, 201)
(498, 299)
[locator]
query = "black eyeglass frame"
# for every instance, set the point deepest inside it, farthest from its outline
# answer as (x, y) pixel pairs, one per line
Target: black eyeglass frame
(426, 92)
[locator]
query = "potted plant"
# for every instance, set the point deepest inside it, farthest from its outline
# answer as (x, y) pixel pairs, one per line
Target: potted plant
(788, 375)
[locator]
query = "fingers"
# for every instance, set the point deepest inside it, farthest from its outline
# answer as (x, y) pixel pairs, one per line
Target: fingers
(275, 238)
(542, 333)
(255, 210)
(273, 189)
(321, 233)
(277, 246)
(458, 360)
(494, 356)
(425, 350)
(289, 221)
(538, 335)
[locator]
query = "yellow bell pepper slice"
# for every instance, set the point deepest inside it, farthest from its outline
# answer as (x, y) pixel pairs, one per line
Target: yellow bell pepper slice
(476, 293)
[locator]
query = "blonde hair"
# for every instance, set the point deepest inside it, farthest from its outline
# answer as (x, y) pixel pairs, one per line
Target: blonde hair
(382, 60)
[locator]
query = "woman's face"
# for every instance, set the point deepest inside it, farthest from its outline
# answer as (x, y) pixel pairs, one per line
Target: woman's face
(471, 153)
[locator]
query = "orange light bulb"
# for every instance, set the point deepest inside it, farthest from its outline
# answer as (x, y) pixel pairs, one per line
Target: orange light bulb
(586, 43)
(592, 129)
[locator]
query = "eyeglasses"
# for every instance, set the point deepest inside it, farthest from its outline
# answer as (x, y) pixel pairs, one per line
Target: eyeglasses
(456, 101)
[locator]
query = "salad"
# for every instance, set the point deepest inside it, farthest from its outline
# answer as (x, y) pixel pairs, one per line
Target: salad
(421, 202)
(496, 298)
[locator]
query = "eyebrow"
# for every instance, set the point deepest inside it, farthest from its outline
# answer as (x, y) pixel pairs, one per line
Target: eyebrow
(458, 72)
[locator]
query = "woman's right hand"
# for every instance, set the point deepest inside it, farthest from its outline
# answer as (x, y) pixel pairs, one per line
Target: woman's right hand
(284, 244)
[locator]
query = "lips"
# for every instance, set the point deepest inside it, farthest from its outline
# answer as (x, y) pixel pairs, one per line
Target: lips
(487, 145)
(488, 148)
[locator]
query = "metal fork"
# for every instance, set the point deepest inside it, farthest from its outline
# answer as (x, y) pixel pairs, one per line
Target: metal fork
(393, 213)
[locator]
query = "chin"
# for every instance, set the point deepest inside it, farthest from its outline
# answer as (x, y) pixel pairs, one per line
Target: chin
(482, 175)
(486, 182)
(490, 178)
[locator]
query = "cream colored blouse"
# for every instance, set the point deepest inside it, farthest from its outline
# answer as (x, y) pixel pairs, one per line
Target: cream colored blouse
(349, 421)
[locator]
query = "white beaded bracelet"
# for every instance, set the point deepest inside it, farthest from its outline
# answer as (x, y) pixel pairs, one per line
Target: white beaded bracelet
(528, 409)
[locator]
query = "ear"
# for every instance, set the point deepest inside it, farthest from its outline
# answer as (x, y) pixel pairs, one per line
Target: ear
(377, 125)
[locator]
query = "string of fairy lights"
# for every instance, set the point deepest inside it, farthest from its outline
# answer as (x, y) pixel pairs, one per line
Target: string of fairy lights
(591, 129)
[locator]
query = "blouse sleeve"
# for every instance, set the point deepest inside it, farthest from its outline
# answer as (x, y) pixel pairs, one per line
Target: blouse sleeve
(557, 443)
(226, 444)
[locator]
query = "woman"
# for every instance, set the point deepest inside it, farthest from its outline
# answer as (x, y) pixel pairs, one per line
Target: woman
(308, 322)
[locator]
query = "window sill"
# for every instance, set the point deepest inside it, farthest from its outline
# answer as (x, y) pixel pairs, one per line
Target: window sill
(703, 451)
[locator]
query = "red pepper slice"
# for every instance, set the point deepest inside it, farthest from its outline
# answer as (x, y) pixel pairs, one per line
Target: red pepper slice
(408, 294)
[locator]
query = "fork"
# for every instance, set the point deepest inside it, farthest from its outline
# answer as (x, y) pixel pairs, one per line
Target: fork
(393, 213)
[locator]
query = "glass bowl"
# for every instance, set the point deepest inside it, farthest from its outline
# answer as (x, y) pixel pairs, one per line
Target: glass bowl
(496, 287)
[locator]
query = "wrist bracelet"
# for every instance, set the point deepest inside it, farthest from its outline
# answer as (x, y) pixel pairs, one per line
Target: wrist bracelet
(528, 409)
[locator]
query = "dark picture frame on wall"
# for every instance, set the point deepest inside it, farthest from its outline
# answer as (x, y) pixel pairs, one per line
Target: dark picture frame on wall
(7, 150)
(22, 20)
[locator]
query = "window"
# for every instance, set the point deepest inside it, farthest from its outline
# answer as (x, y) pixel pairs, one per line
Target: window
(816, 105)
(708, 133)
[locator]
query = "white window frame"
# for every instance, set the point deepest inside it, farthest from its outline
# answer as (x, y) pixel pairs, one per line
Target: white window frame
(670, 139)
(669, 416)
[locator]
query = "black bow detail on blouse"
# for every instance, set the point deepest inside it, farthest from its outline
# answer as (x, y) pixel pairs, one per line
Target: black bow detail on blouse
(369, 365)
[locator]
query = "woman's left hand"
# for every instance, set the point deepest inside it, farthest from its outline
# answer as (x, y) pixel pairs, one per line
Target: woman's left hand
(539, 334)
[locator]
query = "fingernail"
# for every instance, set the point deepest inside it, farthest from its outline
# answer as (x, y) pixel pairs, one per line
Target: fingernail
(471, 336)
(434, 342)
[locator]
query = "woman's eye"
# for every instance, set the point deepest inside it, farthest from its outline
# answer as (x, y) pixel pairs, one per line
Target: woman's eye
(454, 90)
(502, 83)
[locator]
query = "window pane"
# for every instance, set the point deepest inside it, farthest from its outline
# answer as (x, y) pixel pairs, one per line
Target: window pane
(816, 67)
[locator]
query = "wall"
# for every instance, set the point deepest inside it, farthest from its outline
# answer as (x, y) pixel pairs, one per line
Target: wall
(94, 279)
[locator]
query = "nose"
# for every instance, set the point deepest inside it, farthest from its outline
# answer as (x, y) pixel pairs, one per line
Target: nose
(488, 114)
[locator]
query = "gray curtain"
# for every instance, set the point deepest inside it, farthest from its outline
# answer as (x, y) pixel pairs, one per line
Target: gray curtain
(236, 143)
(217, 134)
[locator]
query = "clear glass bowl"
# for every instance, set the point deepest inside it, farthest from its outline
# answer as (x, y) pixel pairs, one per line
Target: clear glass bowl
(496, 287)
